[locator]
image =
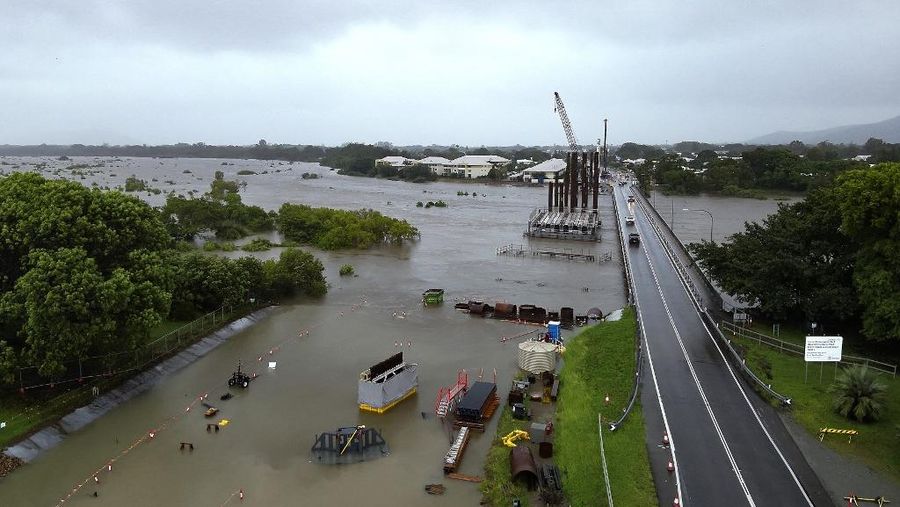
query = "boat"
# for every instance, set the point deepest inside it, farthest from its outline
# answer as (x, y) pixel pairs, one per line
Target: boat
(385, 384)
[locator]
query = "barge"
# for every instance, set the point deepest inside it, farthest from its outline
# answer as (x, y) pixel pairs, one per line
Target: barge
(477, 406)
(385, 384)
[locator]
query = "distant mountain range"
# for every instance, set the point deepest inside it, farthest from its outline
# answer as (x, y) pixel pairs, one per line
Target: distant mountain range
(887, 130)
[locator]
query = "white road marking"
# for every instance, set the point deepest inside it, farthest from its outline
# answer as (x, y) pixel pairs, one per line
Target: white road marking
(662, 407)
(737, 383)
(709, 410)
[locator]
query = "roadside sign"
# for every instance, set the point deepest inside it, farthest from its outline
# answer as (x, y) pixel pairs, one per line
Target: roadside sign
(823, 348)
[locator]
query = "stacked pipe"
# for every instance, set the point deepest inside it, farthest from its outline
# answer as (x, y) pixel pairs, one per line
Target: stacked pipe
(461, 437)
(596, 178)
(585, 186)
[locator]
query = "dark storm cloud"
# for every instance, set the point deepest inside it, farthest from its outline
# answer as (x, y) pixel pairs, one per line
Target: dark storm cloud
(420, 72)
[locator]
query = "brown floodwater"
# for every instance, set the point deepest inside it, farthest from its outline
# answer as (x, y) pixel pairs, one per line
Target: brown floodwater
(265, 448)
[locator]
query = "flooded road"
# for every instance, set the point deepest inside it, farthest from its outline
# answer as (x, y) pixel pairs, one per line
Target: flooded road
(265, 449)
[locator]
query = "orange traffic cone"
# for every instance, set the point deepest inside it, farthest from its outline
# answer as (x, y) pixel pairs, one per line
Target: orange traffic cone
(665, 439)
(670, 467)
(676, 503)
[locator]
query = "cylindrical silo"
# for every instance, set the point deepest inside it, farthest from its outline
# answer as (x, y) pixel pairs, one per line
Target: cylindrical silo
(537, 357)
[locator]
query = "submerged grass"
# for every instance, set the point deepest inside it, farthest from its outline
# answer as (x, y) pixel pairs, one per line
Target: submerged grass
(598, 362)
(878, 443)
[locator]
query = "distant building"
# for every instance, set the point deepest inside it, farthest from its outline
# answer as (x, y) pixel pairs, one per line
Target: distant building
(438, 165)
(475, 166)
(525, 162)
(467, 166)
(548, 170)
(394, 161)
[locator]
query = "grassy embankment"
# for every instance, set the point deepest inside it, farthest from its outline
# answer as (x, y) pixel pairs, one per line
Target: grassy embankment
(878, 443)
(498, 488)
(598, 361)
(24, 415)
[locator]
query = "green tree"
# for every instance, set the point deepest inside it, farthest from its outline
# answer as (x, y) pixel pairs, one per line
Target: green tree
(803, 248)
(417, 173)
(331, 229)
(297, 272)
(82, 271)
(206, 282)
(68, 309)
(869, 201)
(858, 394)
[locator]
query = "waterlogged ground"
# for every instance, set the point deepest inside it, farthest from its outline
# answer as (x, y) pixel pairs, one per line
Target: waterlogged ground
(264, 449)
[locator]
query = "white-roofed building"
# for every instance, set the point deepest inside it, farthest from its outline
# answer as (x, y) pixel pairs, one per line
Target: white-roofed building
(548, 170)
(438, 165)
(394, 161)
(475, 166)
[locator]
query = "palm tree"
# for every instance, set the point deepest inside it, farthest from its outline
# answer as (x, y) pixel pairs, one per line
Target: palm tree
(859, 395)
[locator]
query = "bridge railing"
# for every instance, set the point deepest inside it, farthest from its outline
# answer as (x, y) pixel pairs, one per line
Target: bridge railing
(639, 332)
(733, 356)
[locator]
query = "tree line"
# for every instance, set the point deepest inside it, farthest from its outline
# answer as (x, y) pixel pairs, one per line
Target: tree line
(222, 212)
(88, 272)
(749, 171)
(831, 258)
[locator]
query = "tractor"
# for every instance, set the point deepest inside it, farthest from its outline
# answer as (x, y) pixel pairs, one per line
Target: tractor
(239, 378)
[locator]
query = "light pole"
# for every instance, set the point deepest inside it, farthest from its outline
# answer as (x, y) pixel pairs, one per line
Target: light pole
(712, 220)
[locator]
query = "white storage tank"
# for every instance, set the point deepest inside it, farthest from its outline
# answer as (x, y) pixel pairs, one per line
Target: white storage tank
(537, 357)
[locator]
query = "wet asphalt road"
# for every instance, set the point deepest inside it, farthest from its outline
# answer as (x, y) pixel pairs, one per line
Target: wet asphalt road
(726, 448)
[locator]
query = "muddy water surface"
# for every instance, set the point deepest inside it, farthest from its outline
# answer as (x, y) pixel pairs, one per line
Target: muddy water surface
(265, 448)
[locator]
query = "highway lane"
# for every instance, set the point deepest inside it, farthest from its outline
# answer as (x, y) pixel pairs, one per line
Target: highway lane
(722, 449)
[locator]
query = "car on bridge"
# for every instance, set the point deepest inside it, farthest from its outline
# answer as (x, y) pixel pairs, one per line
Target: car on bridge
(629, 220)
(630, 198)
(634, 239)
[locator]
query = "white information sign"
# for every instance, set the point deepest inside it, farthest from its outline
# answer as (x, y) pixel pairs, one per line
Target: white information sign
(823, 348)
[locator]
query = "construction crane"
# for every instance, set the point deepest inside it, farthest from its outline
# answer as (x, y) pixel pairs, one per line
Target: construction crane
(567, 125)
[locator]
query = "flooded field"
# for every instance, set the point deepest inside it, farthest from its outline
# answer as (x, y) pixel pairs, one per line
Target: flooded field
(265, 449)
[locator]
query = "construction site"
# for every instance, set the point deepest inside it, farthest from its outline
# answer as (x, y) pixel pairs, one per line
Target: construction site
(572, 202)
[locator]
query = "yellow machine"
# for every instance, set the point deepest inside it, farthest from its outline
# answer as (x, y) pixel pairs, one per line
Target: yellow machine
(510, 439)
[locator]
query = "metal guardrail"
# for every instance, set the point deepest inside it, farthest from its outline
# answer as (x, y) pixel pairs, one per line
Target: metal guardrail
(793, 348)
(116, 363)
(639, 332)
(736, 358)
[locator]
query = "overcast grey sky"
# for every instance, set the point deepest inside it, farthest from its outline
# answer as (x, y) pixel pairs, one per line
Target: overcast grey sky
(420, 72)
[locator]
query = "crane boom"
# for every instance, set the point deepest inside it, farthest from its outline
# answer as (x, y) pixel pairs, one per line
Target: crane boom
(567, 125)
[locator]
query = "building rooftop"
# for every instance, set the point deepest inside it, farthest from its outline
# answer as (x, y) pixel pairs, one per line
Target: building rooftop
(479, 160)
(434, 161)
(394, 158)
(548, 166)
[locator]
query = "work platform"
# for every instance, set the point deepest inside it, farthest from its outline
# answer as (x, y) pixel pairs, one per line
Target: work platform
(514, 250)
(561, 223)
